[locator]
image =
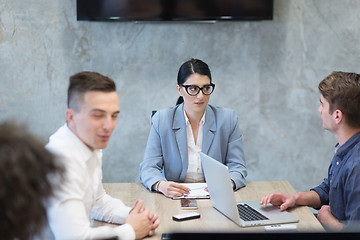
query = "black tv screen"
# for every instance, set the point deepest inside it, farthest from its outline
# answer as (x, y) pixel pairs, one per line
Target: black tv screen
(174, 10)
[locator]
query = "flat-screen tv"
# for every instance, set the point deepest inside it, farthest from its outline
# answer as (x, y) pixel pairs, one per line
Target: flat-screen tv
(174, 10)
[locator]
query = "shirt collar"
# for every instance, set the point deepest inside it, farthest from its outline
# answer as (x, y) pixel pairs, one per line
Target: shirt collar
(202, 120)
(85, 150)
(344, 149)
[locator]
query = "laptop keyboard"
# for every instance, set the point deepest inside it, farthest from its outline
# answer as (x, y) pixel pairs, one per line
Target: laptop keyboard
(247, 213)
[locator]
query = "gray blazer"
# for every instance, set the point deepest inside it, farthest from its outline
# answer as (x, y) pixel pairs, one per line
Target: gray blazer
(166, 154)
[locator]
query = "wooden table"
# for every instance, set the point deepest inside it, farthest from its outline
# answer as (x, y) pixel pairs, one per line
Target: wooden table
(211, 220)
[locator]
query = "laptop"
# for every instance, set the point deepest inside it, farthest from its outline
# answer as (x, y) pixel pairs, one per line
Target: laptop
(244, 214)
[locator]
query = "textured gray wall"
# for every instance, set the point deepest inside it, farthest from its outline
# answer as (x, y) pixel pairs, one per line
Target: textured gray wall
(266, 71)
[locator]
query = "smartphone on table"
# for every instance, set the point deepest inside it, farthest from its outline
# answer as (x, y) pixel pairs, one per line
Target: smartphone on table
(188, 203)
(186, 216)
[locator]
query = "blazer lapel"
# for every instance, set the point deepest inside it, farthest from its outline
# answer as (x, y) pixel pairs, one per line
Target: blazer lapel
(209, 130)
(180, 134)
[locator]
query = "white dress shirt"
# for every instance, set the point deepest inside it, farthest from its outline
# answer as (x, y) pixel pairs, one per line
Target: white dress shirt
(82, 196)
(194, 172)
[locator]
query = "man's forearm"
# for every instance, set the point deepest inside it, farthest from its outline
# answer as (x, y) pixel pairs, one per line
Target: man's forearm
(309, 198)
(329, 221)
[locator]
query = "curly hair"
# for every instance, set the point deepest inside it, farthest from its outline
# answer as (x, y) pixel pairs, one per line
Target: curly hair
(26, 170)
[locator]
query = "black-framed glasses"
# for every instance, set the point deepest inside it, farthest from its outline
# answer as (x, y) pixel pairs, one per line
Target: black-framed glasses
(194, 90)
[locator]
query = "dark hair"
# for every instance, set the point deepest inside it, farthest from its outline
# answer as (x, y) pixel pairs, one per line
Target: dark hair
(25, 171)
(191, 67)
(342, 91)
(83, 82)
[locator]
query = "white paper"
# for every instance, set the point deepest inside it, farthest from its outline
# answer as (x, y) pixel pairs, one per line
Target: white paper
(197, 190)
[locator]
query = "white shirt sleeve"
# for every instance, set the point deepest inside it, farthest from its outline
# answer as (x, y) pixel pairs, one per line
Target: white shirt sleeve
(69, 221)
(70, 209)
(108, 209)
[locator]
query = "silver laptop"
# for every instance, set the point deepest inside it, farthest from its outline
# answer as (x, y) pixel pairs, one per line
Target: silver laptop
(245, 214)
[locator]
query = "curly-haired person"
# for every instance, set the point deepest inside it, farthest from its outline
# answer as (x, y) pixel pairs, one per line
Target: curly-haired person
(26, 173)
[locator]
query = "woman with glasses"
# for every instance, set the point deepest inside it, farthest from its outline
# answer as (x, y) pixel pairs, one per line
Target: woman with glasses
(179, 133)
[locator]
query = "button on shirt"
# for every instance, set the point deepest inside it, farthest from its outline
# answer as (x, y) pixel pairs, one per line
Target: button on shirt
(342, 187)
(194, 172)
(81, 196)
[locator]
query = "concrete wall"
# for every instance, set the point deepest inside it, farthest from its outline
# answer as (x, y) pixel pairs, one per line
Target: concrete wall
(266, 71)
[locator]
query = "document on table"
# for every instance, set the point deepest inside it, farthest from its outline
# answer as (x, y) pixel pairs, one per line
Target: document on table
(197, 190)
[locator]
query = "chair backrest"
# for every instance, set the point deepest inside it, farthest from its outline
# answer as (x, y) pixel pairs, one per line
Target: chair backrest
(153, 112)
